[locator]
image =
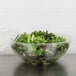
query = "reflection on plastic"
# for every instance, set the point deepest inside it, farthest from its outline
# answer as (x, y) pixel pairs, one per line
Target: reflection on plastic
(40, 70)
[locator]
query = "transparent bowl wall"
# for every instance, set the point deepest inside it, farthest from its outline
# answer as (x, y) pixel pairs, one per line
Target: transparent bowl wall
(42, 52)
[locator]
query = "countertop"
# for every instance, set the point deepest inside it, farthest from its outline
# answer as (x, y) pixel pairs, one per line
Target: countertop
(12, 65)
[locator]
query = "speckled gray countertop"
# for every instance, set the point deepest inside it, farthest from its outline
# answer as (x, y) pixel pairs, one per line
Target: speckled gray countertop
(11, 65)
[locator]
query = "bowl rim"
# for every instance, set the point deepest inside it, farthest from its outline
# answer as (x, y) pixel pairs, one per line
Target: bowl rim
(68, 39)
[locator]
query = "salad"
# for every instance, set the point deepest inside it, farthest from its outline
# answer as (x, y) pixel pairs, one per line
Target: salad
(40, 46)
(40, 37)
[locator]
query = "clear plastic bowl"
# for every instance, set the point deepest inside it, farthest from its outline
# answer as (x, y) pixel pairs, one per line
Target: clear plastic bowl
(42, 52)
